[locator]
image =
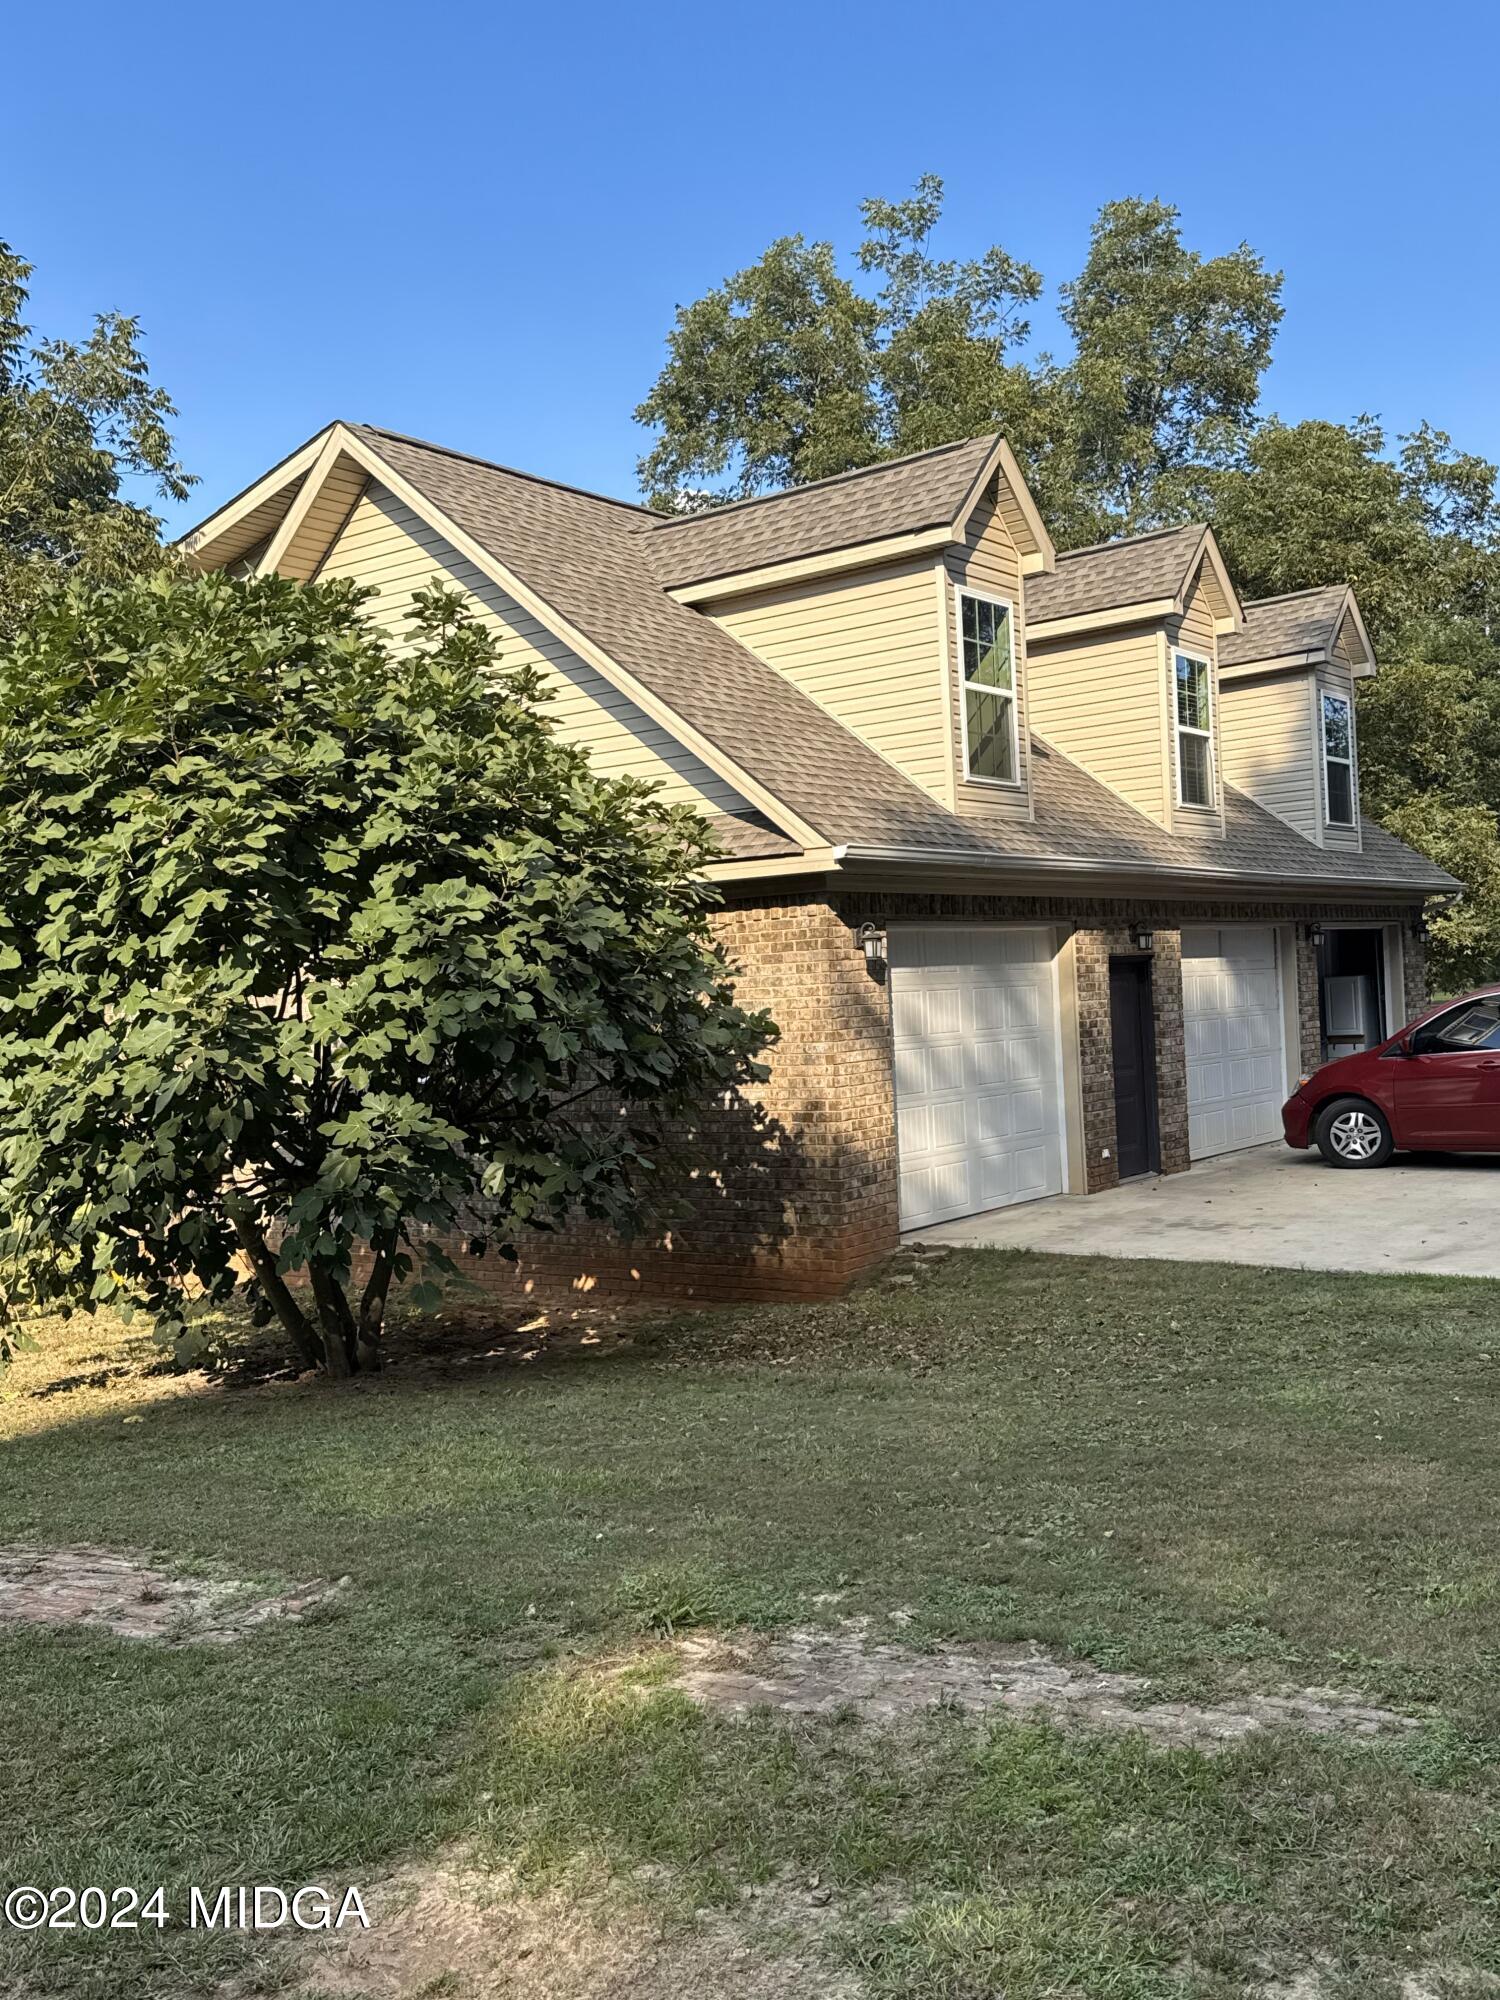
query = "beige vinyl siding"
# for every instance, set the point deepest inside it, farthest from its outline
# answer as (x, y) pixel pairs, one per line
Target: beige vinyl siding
(1193, 633)
(986, 561)
(1269, 749)
(382, 542)
(865, 646)
(1102, 702)
(1337, 679)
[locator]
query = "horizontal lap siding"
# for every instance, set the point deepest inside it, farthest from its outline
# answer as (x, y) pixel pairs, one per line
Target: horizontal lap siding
(1270, 753)
(385, 544)
(866, 648)
(1102, 704)
(987, 561)
(1193, 633)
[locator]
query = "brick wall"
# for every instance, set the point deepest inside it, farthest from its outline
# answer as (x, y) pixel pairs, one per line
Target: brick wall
(1309, 1013)
(1414, 968)
(796, 1192)
(1092, 952)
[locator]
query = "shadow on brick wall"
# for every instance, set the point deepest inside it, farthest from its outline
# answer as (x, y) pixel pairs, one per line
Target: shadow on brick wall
(744, 1205)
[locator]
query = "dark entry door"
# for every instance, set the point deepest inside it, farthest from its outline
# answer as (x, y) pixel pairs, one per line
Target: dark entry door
(1134, 1041)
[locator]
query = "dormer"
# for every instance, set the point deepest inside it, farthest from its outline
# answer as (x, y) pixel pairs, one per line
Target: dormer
(1123, 642)
(1287, 696)
(892, 596)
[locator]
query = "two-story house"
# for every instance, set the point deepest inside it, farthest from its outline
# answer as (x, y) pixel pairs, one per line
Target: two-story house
(1051, 868)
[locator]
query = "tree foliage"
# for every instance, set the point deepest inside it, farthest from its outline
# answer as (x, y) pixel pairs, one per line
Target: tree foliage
(75, 422)
(789, 371)
(308, 943)
(1415, 532)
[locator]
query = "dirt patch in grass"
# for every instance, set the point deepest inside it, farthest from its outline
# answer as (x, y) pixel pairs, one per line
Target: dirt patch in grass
(815, 1672)
(80, 1585)
(450, 1928)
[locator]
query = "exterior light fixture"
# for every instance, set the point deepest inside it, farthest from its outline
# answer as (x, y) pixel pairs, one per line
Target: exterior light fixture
(871, 940)
(1142, 937)
(1315, 935)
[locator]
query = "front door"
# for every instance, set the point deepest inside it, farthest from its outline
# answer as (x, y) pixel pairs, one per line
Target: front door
(1133, 1040)
(1448, 1089)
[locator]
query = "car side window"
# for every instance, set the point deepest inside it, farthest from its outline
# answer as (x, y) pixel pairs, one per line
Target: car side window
(1476, 1025)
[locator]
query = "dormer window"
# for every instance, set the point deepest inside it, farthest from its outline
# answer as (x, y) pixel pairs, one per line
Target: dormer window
(1338, 760)
(986, 636)
(1195, 743)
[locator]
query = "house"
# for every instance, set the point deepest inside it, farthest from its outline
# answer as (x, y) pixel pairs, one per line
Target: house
(1051, 868)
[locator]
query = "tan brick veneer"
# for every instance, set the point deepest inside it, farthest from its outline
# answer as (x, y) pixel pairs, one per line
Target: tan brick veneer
(798, 1193)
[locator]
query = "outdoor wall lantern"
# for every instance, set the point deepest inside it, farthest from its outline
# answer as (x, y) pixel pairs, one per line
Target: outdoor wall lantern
(1142, 937)
(871, 941)
(1315, 936)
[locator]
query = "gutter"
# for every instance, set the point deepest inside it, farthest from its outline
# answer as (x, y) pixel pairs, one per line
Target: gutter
(929, 858)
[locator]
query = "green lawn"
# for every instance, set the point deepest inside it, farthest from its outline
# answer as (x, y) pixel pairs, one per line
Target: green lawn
(1213, 1476)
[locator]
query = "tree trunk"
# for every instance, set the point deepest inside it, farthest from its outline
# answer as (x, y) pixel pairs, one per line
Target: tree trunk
(339, 1340)
(372, 1304)
(299, 1329)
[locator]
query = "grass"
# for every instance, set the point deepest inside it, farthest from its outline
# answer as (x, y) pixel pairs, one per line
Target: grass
(1215, 1477)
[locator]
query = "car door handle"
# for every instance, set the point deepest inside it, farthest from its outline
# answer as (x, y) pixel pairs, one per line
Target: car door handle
(1490, 1062)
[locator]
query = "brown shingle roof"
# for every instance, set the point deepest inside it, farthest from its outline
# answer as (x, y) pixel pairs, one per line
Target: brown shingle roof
(1113, 574)
(743, 837)
(583, 557)
(1304, 621)
(897, 497)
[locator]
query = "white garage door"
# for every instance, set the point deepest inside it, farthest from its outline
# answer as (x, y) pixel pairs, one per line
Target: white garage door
(975, 1016)
(1231, 1018)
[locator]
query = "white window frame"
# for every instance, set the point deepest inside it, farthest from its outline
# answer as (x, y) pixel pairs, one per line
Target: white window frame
(1326, 694)
(1181, 729)
(1018, 782)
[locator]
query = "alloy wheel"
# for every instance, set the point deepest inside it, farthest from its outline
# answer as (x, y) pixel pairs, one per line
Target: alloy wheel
(1354, 1135)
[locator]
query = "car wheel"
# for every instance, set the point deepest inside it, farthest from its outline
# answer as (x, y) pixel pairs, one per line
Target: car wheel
(1351, 1133)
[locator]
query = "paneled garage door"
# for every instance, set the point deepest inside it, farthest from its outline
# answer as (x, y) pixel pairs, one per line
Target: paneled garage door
(1231, 1017)
(977, 1095)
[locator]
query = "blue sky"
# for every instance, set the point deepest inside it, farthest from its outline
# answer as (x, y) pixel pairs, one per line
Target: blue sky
(473, 222)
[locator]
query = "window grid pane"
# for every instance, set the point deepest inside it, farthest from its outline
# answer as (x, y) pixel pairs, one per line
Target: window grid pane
(992, 750)
(1192, 693)
(1340, 793)
(1336, 727)
(1195, 770)
(987, 648)
(1338, 760)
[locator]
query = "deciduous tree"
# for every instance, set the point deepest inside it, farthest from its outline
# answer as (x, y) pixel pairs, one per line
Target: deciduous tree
(308, 944)
(76, 420)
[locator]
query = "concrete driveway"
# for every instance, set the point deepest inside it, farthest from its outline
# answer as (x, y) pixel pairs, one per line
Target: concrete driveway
(1270, 1205)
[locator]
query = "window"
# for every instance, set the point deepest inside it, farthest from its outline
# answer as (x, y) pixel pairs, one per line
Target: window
(1338, 760)
(1475, 1025)
(989, 690)
(1195, 743)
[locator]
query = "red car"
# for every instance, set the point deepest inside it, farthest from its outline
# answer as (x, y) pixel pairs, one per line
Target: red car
(1435, 1088)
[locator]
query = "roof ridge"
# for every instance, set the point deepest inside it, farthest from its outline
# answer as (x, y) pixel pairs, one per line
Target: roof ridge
(815, 485)
(1131, 541)
(1286, 596)
(494, 465)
